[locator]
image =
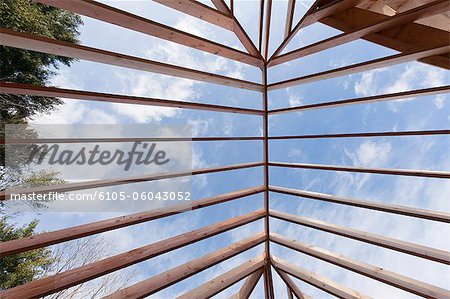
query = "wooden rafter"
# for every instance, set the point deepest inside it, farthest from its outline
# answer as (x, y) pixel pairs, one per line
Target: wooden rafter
(289, 17)
(361, 67)
(291, 285)
(421, 12)
(397, 280)
(405, 172)
(125, 180)
(318, 281)
(165, 279)
(55, 283)
(267, 29)
(58, 236)
(26, 41)
(429, 253)
(249, 285)
(218, 284)
(366, 204)
(127, 20)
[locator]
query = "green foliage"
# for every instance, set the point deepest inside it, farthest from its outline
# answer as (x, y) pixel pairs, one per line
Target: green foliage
(23, 267)
(22, 66)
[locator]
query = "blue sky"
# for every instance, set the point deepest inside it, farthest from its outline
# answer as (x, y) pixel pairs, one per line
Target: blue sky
(422, 113)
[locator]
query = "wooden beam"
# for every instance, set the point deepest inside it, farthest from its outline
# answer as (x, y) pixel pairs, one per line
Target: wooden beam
(312, 16)
(318, 281)
(125, 180)
(366, 204)
(406, 38)
(238, 29)
(368, 100)
(261, 24)
(106, 13)
(269, 279)
(66, 234)
(364, 135)
(165, 279)
(420, 12)
(267, 30)
(249, 285)
(220, 283)
(27, 41)
(360, 67)
(200, 11)
(289, 17)
(64, 280)
(437, 255)
(291, 285)
(397, 280)
(405, 172)
(33, 90)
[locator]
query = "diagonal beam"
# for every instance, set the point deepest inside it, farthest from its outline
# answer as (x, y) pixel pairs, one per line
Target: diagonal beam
(58, 236)
(318, 281)
(361, 67)
(291, 285)
(64, 280)
(165, 279)
(269, 279)
(267, 30)
(249, 285)
(429, 253)
(44, 91)
(405, 172)
(368, 100)
(289, 17)
(200, 11)
(220, 283)
(125, 180)
(31, 42)
(397, 280)
(372, 205)
(420, 12)
(312, 16)
(238, 29)
(105, 13)
(261, 24)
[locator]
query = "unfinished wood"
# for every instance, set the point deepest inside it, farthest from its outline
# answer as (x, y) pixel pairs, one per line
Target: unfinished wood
(125, 180)
(312, 16)
(289, 17)
(33, 90)
(368, 100)
(405, 172)
(318, 281)
(238, 29)
(220, 283)
(75, 232)
(427, 10)
(372, 205)
(364, 135)
(361, 67)
(127, 20)
(165, 279)
(26, 41)
(291, 285)
(267, 29)
(409, 37)
(200, 11)
(433, 254)
(399, 281)
(261, 24)
(55, 283)
(269, 279)
(249, 285)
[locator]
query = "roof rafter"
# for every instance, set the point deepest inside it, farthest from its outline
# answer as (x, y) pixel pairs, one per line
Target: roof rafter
(249, 285)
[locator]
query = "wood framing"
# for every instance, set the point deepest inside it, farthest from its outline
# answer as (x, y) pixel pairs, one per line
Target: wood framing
(152, 285)
(216, 285)
(42, 44)
(429, 253)
(366, 204)
(405, 172)
(415, 29)
(52, 284)
(318, 281)
(405, 283)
